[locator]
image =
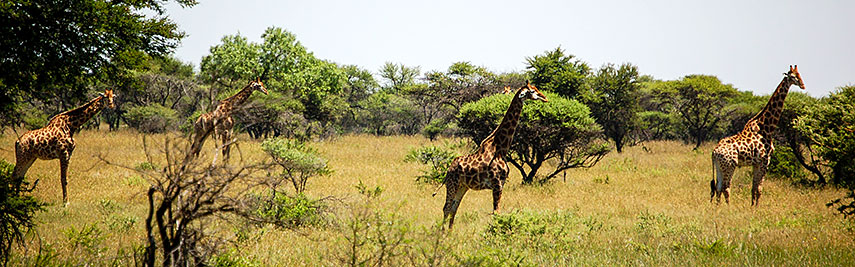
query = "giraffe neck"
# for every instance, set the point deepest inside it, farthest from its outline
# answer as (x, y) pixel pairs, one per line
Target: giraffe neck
(236, 100)
(80, 115)
(502, 136)
(767, 119)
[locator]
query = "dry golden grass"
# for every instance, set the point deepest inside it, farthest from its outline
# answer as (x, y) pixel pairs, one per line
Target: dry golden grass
(651, 208)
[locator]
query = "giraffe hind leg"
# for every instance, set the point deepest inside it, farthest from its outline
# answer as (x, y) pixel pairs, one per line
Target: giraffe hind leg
(22, 164)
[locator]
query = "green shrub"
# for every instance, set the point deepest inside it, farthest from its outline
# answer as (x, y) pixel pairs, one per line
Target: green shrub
(434, 128)
(17, 210)
(437, 158)
(151, 119)
(299, 161)
(287, 211)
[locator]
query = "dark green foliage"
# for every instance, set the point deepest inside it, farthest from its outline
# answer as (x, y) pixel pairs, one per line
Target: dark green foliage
(384, 113)
(17, 210)
(557, 72)
(437, 158)
(613, 100)
(560, 129)
(55, 49)
(287, 211)
(151, 119)
(434, 129)
(831, 127)
(784, 164)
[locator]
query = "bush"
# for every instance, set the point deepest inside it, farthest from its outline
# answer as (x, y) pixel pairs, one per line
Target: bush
(151, 119)
(17, 211)
(286, 211)
(299, 162)
(437, 158)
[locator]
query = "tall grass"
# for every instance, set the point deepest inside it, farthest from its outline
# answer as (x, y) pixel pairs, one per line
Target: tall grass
(632, 208)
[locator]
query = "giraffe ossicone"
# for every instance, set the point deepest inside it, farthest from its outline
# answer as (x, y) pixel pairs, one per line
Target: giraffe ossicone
(753, 145)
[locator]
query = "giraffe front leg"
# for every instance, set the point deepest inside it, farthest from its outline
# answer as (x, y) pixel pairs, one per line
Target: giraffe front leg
(497, 196)
(757, 184)
(63, 168)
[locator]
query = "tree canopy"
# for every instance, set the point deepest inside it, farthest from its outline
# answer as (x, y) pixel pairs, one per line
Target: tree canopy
(55, 49)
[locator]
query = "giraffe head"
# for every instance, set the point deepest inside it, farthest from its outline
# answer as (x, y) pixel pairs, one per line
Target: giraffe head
(530, 92)
(794, 77)
(108, 96)
(258, 85)
(507, 90)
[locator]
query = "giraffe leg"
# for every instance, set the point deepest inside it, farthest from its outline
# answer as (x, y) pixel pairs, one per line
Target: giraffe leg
(497, 196)
(453, 196)
(727, 176)
(63, 167)
(22, 164)
(226, 135)
(757, 184)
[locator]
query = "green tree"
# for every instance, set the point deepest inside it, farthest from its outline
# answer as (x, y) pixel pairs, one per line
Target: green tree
(385, 113)
(831, 128)
(56, 49)
(613, 99)
(397, 77)
(699, 101)
(288, 70)
(558, 72)
(560, 129)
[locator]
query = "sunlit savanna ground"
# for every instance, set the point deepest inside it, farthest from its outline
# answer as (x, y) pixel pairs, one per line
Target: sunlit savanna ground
(632, 208)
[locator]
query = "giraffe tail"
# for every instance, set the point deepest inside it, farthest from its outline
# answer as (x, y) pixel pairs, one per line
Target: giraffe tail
(437, 190)
(447, 176)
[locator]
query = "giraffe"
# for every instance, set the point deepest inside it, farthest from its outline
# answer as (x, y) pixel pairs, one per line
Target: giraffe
(486, 168)
(753, 145)
(56, 140)
(220, 120)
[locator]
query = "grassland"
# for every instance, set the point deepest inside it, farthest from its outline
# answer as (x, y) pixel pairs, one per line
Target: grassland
(633, 208)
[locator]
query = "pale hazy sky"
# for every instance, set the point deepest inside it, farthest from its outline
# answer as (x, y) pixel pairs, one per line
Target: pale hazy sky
(745, 43)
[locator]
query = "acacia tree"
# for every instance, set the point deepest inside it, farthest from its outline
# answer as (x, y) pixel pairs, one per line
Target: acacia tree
(560, 129)
(397, 77)
(613, 99)
(67, 45)
(699, 101)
